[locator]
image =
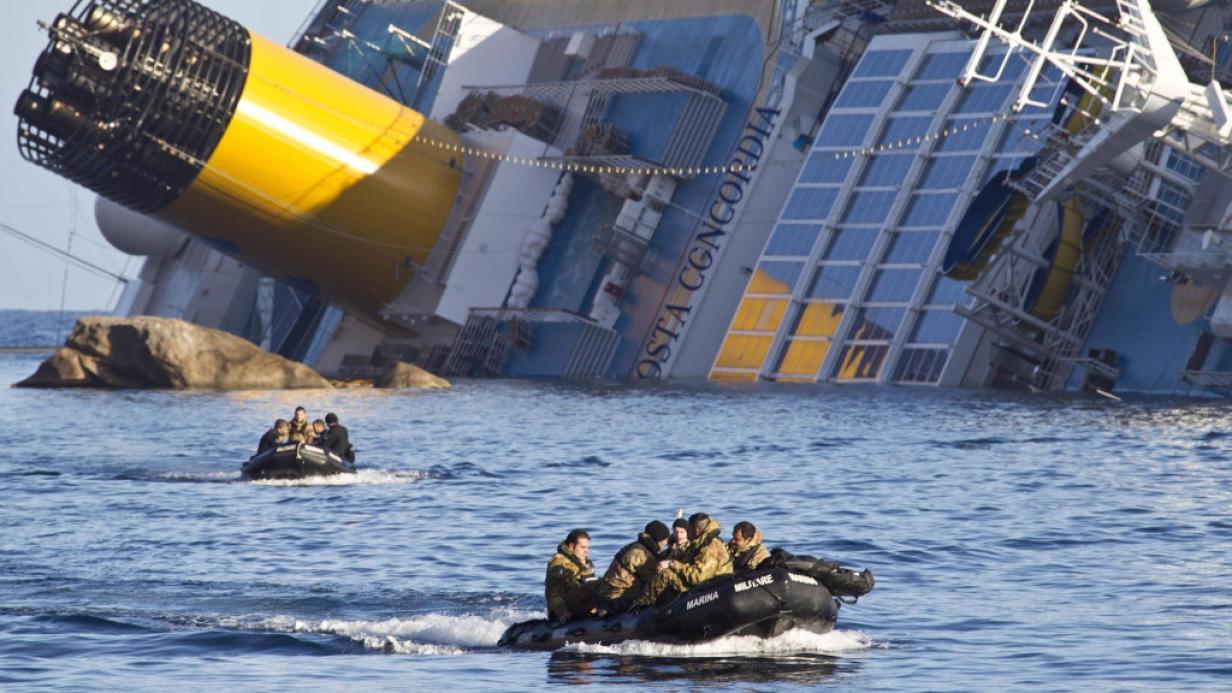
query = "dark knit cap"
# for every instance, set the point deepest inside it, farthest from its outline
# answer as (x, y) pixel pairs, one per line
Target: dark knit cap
(657, 530)
(331, 418)
(681, 522)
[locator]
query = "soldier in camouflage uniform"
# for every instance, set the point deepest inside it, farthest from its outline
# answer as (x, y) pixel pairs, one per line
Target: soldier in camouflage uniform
(569, 588)
(745, 547)
(301, 428)
(633, 568)
(707, 558)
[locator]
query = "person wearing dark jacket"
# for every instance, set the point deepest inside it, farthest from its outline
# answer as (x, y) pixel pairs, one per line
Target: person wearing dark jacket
(745, 547)
(634, 567)
(274, 437)
(335, 438)
(569, 586)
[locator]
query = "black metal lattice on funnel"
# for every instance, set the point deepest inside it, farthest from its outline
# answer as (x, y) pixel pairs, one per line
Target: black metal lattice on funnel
(130, 97)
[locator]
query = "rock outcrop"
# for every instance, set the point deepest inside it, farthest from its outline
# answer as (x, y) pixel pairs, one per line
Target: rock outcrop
(402, 374)
(146, 352)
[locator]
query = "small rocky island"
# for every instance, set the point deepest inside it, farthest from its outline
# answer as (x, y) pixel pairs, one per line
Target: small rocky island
(164, 353)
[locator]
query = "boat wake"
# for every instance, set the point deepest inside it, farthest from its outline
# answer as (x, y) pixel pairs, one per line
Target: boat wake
(793, 642)
(362, 477)
(427, 634)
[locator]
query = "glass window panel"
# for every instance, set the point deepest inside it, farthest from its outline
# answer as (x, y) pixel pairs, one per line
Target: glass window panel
(946, 172)
(929, 210)
(834, 281)
(921, 365)
(818, 320)
(924, 97)
(984, 99)
(792, 239)
(1023, 135)
(1014, 67)
(876, 324)
(948, 292)
(904, 128)
(970, 139)
(844, 130)
(802, 358)
(860, 362)
(825, 167)
(863, 94)
(743, 351)
(882, 63)
(775, 277)
(851, 244)
(759, 314)
(942, 66)
(938, 326)
(911, 247)
(893, 285)
(1184, 165)
(870, 207)
(809, 203)
(887, 170)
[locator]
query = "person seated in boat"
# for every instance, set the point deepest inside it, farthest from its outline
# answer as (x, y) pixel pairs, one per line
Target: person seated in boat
(706, 557)
(278, 435)
(681, 536)
(335, 439)
(301, 429)
(633, 567)
(318, 430)
(569, 586)
(745, 548)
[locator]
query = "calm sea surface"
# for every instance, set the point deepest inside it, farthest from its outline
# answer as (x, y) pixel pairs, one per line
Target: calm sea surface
(1018, 542)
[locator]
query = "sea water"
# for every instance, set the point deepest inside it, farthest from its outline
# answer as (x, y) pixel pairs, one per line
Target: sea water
(1019, 542)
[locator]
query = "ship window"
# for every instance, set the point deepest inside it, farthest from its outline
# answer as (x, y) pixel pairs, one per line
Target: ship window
(939, 326)
(899, 131)
(929, 210)
(887, 170)
(947, 292)
(860, 362)
(921, 365)
(893, 285)
(852, 244)
(924, 97)
(870, 207)
(863, 94)
(834, 281)
(775, 277)
(989, 99)
(743, 351)
(965, 136)
(802, 358)
(759, 315)
(818, 320)
(1184, 165)
(876, 323)
(792, 239)
(809, 203)
(844, 130)
(882, 63)
(825, 167)
(947, 172)
(943, 66)
(1013, 67)
(911, 247)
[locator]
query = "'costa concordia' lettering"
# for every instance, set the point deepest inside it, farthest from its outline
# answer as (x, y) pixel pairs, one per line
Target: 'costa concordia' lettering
(178, 112)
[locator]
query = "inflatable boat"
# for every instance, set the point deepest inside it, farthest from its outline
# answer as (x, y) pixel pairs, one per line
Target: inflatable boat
(762, 603)
(295, 461)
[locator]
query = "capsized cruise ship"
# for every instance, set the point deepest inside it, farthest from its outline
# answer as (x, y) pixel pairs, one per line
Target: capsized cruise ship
(1030, 195)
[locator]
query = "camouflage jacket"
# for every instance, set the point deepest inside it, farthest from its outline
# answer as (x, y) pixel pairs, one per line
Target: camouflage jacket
(301, 431)
(707, 557)
(749, 557)
(632, 569)
(565, 587)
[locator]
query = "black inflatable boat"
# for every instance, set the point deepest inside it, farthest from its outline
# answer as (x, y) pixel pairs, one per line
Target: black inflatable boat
(295, 461)
(763, 603)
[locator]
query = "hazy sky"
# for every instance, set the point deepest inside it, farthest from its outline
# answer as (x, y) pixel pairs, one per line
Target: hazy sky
(47, 206)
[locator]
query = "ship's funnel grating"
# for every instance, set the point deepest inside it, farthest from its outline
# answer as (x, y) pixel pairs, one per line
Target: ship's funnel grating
(131, 97)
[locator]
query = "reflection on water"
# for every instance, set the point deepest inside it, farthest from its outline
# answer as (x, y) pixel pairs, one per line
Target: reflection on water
(585, 668)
